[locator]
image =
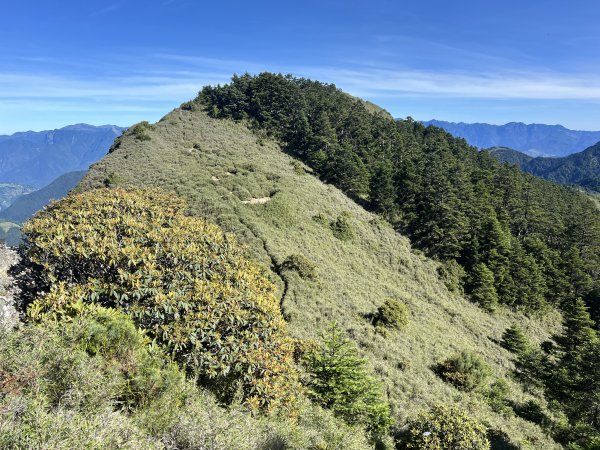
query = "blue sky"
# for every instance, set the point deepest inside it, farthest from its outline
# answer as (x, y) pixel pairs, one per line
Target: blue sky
(122, 61)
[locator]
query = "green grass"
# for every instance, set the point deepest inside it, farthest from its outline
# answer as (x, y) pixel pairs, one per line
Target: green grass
(217, 164)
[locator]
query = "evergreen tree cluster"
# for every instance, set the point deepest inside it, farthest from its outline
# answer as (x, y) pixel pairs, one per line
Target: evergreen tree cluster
(522, 241)
(567, 369)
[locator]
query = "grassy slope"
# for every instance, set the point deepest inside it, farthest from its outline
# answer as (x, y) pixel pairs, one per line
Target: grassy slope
(218, 164)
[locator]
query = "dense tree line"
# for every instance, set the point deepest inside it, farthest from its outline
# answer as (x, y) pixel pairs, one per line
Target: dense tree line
(567, 370)
(518, 240)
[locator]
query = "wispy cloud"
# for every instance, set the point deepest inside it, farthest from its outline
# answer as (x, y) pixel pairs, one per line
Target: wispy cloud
(534, 85)
(107, 9)
(172, 77)
(149, 88)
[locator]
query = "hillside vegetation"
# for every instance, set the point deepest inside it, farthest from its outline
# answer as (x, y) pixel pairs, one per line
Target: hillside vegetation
(579, 169)
(331, 260)
(518, 240)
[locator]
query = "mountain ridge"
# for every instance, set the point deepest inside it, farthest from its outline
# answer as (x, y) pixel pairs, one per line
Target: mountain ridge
(25, 206)
(532, 139)
(37, 158)
(578, 169)
(221, 166)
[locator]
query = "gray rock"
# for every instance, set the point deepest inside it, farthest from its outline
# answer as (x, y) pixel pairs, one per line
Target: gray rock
(9, 316)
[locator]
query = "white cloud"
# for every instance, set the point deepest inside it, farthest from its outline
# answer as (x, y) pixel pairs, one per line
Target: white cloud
(509, 85)
(184, 82)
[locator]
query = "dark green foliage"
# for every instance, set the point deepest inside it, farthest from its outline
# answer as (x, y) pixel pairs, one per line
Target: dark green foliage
(455, 203)
(574, 379)
(301, 265)
(531, 368)
(339, 380)
(497, 397)
(342, 228)
(92, 380)
(481, 287)
(112, 180)
(568, 372)
(180, 278)
(532, 411)
(514, 340)
(140, 131)
(581, 168)
(446, 428)
(466, 371)
(392, 314)
(453, 276)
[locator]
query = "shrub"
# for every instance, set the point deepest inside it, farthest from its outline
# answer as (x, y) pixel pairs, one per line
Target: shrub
(497, 397)
(514, 340)
(342, 229)
(298, 168)
(113, 180)
(445, 428)
(531, 368)
(321, 218)
(68, 384)
(140, 131)
(532, 411)
(392, 314)
(181, 279)
(466, 371)
(338, 380)
(453, 275)
(301, 265)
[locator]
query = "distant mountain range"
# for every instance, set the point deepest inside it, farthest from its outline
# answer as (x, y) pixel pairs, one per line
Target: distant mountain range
(10, 191)
(533, 139)
(37, 167)
(37, 158)
(581, 169)
(27, 205)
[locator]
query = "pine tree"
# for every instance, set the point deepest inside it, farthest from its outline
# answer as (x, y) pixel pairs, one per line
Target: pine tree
(514, 340)
(339, 380)
(573, 381)
(482, 288)
(525, 286)
(382, 193)
(495, 251)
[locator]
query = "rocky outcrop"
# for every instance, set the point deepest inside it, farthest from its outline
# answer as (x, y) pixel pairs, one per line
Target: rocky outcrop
(8, 314)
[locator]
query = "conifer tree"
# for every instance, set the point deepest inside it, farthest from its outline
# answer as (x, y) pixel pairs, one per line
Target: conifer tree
(339, 380)
(382, 193)
(574, 381)
(482, 288)
(514, 340)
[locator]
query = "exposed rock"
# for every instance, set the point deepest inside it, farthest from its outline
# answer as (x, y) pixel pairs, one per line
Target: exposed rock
(8, 314)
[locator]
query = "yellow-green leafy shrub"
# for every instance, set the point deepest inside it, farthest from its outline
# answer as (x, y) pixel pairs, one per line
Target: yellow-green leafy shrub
(180, 278)
(300, 264)
(392, 314)
(446, 428)
(465, 370)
